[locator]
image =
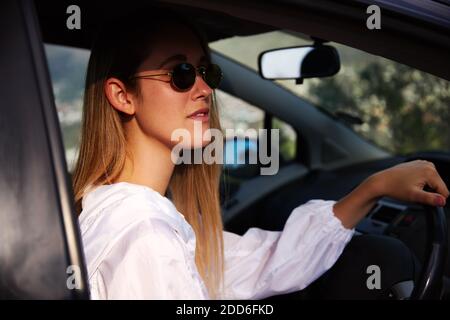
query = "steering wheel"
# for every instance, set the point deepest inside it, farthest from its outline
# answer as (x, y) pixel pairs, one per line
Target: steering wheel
(430, 280)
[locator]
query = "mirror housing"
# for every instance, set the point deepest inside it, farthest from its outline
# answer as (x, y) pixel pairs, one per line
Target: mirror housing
(313, 61)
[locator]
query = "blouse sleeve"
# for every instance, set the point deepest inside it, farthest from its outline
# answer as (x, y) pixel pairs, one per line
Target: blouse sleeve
(264, 263)
(147, 263)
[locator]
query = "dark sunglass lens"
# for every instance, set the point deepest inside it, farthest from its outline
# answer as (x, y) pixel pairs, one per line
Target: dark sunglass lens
(213, 76)
(183, 76)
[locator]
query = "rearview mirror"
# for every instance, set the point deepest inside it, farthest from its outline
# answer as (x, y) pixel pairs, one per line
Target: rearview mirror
(314, 61)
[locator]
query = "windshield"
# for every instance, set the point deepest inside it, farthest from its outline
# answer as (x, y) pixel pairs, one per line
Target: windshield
(397, 107)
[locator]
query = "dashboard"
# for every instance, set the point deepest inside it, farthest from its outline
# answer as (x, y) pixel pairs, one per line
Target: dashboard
(267, 204)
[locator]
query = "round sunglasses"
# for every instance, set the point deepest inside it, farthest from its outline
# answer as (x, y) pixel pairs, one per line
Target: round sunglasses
(183, 75)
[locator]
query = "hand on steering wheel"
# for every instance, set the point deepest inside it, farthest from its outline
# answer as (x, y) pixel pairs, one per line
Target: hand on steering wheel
(408, 181)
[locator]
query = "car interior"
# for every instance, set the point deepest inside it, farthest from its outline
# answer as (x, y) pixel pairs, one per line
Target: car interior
(327, 153)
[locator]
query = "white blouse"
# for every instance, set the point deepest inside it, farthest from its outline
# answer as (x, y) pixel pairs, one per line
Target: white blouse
(138, 246)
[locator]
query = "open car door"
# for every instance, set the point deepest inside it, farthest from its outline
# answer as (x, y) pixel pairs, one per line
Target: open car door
(40, 248)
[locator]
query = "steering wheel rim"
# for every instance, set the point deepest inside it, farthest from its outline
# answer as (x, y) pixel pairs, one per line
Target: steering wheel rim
(430, 279)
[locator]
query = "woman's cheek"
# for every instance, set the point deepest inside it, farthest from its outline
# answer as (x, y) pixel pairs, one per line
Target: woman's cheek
(166, 120)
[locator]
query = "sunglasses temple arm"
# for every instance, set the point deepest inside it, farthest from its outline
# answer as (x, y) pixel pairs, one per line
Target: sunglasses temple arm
(152, 75)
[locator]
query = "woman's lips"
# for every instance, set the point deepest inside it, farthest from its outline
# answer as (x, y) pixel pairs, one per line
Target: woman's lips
(200, 115)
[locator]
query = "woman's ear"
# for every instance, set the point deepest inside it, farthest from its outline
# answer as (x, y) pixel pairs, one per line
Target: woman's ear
(119, 97)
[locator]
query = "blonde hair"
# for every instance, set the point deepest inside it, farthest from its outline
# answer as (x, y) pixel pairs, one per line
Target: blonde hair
(194, 188)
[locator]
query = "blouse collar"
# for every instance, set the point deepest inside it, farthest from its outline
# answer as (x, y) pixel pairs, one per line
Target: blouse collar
(98, 197)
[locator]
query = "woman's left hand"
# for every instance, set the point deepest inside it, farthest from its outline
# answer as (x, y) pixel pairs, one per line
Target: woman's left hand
(404, 182)
(407, 181)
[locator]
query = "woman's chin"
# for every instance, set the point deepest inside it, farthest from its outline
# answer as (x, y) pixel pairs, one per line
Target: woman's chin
(191, 145)
(199, 144)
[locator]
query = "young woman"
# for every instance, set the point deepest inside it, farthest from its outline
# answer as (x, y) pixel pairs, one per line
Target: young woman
(152, 229)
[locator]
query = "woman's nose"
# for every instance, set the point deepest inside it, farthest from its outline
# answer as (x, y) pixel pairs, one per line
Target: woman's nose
(200, 87)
